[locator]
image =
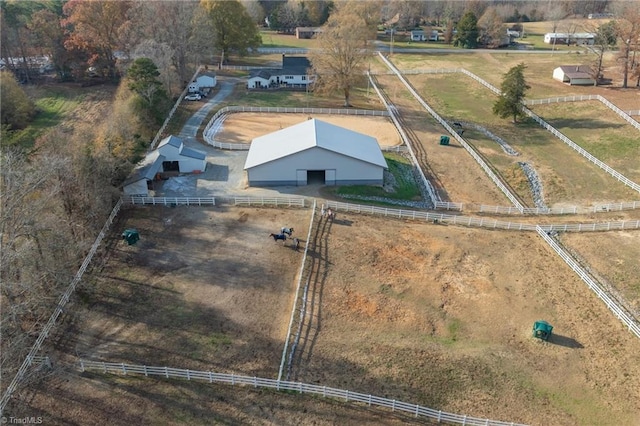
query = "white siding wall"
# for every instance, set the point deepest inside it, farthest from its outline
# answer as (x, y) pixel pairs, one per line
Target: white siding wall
(558, 74)
(253, 82)
(188, 165)
(284, 171)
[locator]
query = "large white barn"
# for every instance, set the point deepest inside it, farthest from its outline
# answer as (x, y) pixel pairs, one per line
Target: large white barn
(315, 151)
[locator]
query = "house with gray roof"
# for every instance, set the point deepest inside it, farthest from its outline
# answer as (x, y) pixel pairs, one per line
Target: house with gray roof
(294, 73)
(315, 151)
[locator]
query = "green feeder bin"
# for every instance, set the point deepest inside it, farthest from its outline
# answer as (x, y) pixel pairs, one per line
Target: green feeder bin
(444, 140)
(542, 330)
(131, 236)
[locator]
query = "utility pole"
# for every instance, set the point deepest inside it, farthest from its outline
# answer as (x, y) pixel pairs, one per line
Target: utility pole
(393, 30)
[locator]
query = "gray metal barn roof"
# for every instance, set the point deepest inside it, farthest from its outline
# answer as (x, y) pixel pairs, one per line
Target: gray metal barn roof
(314, 133)
(147, 168)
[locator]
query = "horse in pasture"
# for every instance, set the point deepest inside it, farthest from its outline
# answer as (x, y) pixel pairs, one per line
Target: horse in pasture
(330, 214)
(277, 237)
(287, 231)
(296, 244)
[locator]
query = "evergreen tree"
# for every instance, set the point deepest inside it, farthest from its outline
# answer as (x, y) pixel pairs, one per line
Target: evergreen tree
(467, 35)
(514, 86)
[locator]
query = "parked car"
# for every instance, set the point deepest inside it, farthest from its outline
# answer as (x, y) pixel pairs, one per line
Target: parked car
(193, 97)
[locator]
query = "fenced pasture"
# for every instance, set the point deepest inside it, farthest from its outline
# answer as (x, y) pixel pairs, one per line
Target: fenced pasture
(538, 73)
(567, 177)
(453, 172)
(598, 130)
(619, 269)
(205, 287)
(426, 311)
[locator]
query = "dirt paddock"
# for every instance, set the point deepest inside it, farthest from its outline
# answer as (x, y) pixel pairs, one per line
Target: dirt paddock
(429, 314)
(243, 127)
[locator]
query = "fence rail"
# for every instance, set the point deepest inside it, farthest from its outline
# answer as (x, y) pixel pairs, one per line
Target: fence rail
(215, 122)
(64, 299)
(171, 201)
(619, 312)
(156, 139)
(480, 222)
(625, 115)
(507, 192)
(280, 385)
(430, 191)
(564, 138)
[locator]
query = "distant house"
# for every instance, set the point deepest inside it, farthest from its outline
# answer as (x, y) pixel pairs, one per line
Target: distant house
(418, 35)
(295, 73)
(580, 39)
(204, 81)
(575, 75)
(307, 32)
(170, 156)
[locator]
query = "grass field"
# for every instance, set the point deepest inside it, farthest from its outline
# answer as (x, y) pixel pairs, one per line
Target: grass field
(600, 131)
(567, 176)
(53, 104)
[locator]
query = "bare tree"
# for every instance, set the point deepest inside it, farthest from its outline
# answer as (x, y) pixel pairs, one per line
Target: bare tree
(339, 63)
(604, 40)
(492, 29)
(628, 32)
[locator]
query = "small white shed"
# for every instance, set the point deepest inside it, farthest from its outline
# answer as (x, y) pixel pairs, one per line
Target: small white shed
(207, 80)
(575, 75)
(315, 152)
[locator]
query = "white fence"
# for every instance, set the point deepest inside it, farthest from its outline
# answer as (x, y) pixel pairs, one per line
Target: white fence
(455, 134)
(619, 312)
(212, 201)
(173, 111)
(624, 115)
(480, 222)
(171, 201)
(431, 193)
(64, 299)
(258, 382)
(285, 350)
(562, 137)
(214, 124)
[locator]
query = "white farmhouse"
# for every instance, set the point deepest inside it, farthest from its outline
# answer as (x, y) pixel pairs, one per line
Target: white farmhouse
(295, 73)
(315, 151)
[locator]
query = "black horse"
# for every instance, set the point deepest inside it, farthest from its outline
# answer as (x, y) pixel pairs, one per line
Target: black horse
(287, 231)
(277, 237)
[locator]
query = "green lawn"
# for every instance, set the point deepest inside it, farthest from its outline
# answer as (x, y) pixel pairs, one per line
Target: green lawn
(567, 176)
(273, 39)
(52, 105)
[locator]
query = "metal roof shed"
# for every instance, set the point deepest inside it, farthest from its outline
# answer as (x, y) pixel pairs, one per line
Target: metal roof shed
(315, 151)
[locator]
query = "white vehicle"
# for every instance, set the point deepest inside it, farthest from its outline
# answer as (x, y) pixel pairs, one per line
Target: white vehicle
(193, 97)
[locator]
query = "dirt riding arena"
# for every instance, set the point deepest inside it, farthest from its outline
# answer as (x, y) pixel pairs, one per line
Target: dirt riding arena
(243, 127)
(418, 312)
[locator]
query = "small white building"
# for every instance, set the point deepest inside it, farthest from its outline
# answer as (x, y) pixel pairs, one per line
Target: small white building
(315, 151)
(418, 35)
(170, 156)
(575, 75)
(580, 39)
(204, 81)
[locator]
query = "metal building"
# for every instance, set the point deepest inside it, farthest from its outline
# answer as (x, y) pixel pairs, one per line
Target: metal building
(315, 151)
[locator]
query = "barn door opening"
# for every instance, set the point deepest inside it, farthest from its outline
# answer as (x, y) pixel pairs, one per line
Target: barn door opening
(315, 177)
(170, 166)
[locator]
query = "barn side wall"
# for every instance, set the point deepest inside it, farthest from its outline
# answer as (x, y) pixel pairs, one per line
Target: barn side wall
(283, 171)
